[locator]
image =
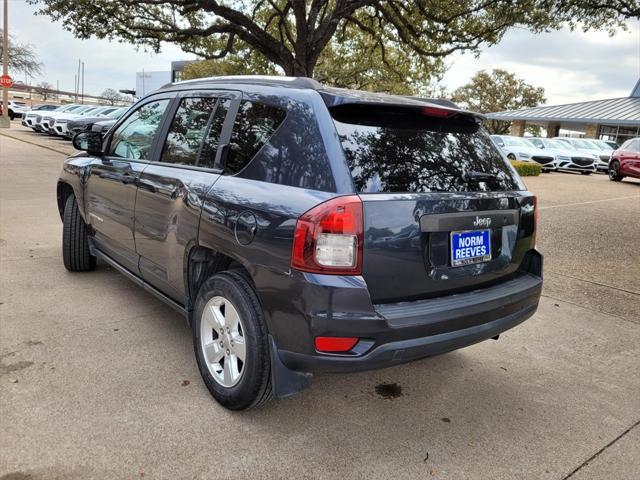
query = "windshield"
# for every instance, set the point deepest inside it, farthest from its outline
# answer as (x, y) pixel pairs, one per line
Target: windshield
(117, 113)
(566, 144)
(399, 150)
(584, 144)
(554, 144)
(516, 142)
(603, 145)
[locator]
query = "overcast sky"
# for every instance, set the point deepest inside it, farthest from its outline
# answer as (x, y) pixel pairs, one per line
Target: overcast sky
(571, 66)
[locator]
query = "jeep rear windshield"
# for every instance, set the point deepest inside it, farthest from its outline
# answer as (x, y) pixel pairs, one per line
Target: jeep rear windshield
(420, 149)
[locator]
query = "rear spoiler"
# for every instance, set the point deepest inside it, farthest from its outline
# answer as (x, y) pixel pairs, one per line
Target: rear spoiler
(343, 98)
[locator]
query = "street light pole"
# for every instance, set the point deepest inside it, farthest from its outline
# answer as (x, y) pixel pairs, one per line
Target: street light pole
(4, 120)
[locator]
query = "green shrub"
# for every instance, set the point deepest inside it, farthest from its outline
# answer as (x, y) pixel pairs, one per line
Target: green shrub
(526, 169)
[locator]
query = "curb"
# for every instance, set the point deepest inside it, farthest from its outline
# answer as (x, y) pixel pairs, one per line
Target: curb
(36, 144)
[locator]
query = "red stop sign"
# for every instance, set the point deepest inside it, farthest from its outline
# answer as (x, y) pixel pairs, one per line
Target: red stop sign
(6, 81)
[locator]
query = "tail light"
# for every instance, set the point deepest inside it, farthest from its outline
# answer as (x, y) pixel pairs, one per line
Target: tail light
(328, 238)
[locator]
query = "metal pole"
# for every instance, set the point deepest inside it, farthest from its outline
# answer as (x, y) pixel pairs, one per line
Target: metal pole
(83, 83)
(78, 84)
(5, 65)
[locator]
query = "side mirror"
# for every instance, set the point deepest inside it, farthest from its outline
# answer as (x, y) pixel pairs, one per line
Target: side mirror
(90, 142)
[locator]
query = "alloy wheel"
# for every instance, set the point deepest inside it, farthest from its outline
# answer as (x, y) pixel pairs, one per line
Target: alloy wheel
(222, 341)
(613, 171)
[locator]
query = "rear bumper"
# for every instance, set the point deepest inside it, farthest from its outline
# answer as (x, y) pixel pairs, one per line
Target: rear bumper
(395, 353)
(409, 331)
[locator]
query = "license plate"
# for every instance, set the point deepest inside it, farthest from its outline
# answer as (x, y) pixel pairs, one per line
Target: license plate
(472, 246)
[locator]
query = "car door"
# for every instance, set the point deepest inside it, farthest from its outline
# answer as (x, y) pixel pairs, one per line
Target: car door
(171, 189)
(110, 191)
(630, 158)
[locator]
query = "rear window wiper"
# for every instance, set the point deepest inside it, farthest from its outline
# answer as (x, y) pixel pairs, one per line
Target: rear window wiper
(474, 176)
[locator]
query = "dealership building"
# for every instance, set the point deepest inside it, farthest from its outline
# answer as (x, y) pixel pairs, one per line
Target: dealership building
(616, 119)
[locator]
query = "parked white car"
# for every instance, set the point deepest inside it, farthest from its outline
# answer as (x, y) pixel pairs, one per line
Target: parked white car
(35, 119)
(586, 147)
(29, 117)
(519, 148)
(16, 109)
(59, 126)
(567, 158)
(605, 152)
(47, 121)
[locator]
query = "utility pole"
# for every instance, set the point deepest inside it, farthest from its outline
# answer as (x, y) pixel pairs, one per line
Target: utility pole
(78, 81)
(75, 87)
(4, 120)
(83, 83)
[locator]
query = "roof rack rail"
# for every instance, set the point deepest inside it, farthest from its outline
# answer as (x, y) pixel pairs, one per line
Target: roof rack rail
(295, 82)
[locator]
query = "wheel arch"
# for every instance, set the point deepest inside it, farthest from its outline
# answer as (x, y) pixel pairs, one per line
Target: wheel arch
(63, 191)
(203, 262)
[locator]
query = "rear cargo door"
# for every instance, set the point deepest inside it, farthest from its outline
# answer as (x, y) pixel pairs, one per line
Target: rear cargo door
(444, 212)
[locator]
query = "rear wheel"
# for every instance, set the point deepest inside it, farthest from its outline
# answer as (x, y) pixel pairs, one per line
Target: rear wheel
(614, 171)
(75, 239)
(585, 173)
(230, 342)
(511, 156)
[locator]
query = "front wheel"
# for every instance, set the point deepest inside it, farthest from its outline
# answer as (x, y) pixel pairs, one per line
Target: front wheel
(614, 172)
(75, 239)
(230, 342)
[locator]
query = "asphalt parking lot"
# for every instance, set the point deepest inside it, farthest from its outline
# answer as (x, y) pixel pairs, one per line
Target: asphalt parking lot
(98, 379)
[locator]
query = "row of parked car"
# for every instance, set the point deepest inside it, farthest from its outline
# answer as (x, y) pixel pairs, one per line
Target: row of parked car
(559, 153)
(67, 120)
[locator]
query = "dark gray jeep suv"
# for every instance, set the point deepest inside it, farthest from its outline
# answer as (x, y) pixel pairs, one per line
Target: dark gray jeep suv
(301, 228)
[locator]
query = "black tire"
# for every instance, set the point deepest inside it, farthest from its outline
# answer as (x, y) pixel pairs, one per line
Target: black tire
(75, 241)
(585, 173)
(254, 386)
(511, 157)
(614, 171)
(11, 115)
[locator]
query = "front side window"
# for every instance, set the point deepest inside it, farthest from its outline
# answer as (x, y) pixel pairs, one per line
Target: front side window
(134, 138)
(253, 126)
(187, 131)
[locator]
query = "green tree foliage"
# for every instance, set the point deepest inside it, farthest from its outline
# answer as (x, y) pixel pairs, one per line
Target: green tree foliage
(497, 91)
(245, 62)
(22, 58)
(408, 38)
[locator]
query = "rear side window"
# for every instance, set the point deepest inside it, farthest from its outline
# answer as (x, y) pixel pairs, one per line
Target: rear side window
(402, 149)
(188, 129)
(254, 124)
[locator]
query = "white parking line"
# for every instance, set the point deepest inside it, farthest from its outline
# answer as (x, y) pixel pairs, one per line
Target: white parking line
(592, 201)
